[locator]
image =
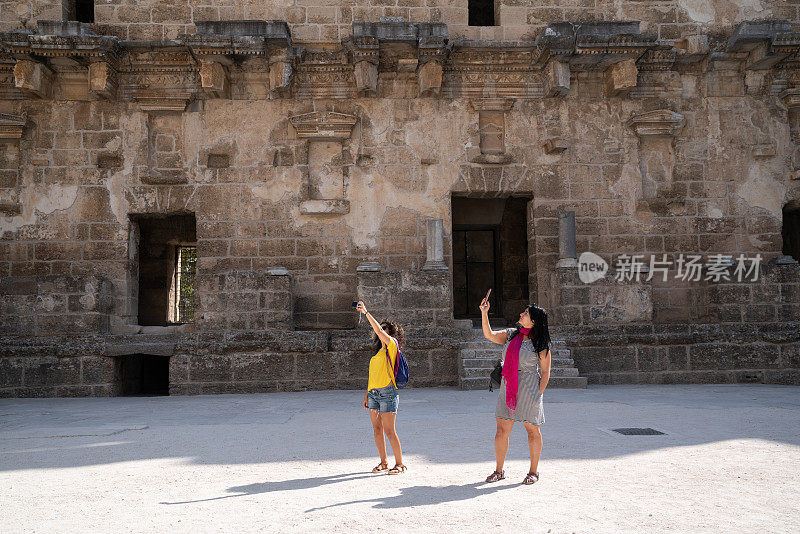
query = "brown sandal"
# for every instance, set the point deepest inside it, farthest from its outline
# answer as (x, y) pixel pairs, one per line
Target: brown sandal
(383, 466)
(397, 469)
(497, 475)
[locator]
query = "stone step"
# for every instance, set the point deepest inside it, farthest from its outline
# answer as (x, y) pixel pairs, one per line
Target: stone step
(473, 372)
(488, 345)
(560, 382)
(488, 363)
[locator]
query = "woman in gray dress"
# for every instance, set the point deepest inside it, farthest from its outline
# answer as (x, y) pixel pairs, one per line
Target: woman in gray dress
(526, 371)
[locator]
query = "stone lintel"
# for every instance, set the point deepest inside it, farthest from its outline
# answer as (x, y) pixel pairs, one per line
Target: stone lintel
(492, 104)
(555, 145)
(12, 126)
(63, 28)
(274, 32)
(658, 123)
(34, 79)
(621, 77)
(102, 80)
(153, 349)
(155, 100)
(213, 78)
(324, 125)
(325, 207)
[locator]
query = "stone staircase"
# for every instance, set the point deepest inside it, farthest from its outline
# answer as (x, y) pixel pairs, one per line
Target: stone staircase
(478, 356)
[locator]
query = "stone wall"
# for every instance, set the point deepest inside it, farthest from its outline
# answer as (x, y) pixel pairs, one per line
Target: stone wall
(321, 160)
(320, 20)
(703, 331)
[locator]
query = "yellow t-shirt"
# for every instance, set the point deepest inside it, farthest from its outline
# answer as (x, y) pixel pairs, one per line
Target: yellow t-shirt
(379, 372)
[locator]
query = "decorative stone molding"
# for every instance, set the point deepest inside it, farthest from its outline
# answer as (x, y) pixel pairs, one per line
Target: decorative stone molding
(326, 132)
(213, 78)
(102, 80)
(656, 131)
(621, 77)
(33, 79)
(154, 100)
(766, 42)
(491, 125)
(324, 125)
(658, 123)
(11, 127)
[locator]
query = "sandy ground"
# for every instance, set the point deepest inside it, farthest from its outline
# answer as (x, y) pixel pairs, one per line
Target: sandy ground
(729, 461)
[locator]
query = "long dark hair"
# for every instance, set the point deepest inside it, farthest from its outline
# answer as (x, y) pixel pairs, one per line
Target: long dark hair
(393, 329)
(540, 334)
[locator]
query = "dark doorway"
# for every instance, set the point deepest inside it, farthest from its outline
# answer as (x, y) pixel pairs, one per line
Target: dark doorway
(791, 232)
(143, 374)
(167, 264)
(490, 250)
(481, 12)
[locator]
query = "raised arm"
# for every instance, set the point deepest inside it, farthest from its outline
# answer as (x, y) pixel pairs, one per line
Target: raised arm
(495, 336)
(545, 360)
(385, 338)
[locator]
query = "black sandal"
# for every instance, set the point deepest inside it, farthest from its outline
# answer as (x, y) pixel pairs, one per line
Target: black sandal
(497, 475)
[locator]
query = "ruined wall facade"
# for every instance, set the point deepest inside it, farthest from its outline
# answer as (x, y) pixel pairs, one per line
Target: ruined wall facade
(326, 21)
(312, 174)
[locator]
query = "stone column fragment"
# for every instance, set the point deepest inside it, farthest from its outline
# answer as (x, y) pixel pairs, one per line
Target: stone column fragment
(567, 255)
(435, 246)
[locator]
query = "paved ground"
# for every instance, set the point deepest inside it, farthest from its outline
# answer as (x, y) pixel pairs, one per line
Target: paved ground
(730, 461)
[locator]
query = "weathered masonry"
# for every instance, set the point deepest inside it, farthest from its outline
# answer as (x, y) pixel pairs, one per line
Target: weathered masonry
(190, 199)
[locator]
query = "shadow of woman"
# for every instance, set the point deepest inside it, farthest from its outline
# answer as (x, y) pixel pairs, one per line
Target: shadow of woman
(424, 495)
(282, 485)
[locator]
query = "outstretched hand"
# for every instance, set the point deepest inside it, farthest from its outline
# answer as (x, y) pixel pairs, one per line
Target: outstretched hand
(484, 305)
(360, 307)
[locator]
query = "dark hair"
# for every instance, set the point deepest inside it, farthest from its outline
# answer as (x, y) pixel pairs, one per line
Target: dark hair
(393, 329)
(540, 334)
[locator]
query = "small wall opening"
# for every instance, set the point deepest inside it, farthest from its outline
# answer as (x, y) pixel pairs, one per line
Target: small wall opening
(481, 12)
(166, 264)
(143, 374)
(791, 232)
(490, 250)
(80, 10)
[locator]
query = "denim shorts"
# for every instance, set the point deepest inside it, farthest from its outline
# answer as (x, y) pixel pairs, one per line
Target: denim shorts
(385, 400)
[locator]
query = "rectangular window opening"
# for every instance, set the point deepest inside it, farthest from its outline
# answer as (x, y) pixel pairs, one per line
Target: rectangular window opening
(163, 269)
(481, 12)
(79, 10)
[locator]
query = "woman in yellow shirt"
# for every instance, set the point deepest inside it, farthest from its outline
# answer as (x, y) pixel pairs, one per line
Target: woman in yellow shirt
(381, 398)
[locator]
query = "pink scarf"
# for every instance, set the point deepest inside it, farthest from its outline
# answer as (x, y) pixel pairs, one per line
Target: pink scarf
(511, 367)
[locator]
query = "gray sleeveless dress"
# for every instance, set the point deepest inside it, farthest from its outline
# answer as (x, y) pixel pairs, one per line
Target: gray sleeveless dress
(529, 400)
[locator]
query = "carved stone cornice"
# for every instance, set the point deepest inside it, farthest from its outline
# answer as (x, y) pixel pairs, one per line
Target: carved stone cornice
(12, 126)
(791, 98)
(658, 123)
(766, 42)
(324, 125)
(154, 100)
